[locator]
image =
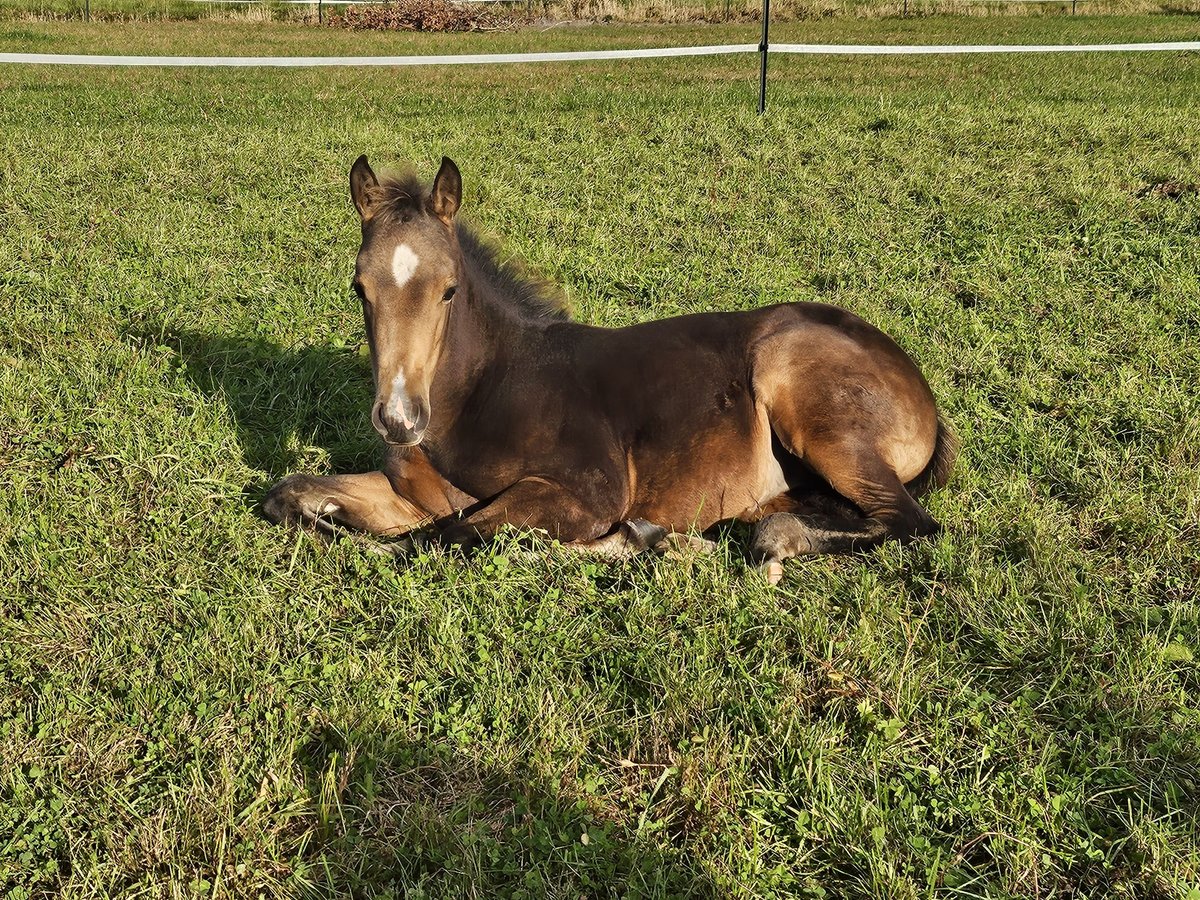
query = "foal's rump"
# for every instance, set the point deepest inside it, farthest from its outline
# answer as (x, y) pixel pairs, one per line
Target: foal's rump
(834, 385)
(844, 400)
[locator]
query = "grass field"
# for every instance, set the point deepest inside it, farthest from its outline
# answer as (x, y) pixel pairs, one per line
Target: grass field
(193, 703)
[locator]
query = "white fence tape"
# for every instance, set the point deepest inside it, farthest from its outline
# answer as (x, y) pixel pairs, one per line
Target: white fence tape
(392, 2)
(458, 59)
(462, 59)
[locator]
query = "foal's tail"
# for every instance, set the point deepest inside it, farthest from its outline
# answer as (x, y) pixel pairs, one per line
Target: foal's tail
(937, 471)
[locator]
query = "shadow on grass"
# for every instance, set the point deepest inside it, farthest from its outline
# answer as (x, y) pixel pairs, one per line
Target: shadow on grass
(398, 818)
(282, 399)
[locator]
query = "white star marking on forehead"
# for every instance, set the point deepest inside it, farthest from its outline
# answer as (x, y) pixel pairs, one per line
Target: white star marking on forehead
(404, 264)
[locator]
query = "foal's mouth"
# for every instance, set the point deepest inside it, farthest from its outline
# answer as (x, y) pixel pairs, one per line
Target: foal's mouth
(387, 440)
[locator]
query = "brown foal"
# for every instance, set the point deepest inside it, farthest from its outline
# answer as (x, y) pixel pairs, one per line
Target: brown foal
(496, 409)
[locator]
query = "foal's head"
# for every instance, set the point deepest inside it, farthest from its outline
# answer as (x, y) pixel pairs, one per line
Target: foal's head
(407, 272)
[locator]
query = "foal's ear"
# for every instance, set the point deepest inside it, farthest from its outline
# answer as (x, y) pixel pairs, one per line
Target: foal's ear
(446, 196)
(362, 185)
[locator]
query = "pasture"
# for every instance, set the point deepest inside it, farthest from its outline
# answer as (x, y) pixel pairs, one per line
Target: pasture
(196, 704)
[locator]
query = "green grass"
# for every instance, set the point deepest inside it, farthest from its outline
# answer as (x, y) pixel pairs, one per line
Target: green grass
(193, 703)
(738, 74)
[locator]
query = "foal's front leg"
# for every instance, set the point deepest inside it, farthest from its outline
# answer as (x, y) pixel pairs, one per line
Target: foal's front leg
(544, 504)
(530, 503)
(334, 503)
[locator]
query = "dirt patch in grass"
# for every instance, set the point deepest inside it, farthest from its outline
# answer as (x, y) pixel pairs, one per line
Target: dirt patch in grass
(421, 15)
(1170, 189)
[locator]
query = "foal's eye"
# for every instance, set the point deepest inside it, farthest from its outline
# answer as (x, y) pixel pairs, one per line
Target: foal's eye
(449, 295)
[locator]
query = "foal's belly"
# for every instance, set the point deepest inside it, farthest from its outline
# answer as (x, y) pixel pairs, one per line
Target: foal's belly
(718, 473)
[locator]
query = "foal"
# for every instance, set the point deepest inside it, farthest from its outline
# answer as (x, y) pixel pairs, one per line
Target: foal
(496, 409)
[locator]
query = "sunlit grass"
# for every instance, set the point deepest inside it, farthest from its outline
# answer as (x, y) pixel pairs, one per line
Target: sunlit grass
(193, 702)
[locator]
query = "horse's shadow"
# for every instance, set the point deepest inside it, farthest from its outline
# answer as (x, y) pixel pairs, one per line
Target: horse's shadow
(398, 816)
(284, 401)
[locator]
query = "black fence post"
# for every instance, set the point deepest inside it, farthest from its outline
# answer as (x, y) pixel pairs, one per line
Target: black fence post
(87, 10)
(320, 12)
(762, 49)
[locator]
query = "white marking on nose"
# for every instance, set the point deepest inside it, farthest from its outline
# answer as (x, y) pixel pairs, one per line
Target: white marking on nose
(397, 405)
(404, 264)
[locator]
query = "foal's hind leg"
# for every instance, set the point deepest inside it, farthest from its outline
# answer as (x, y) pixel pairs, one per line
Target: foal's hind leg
(859, 474)
(634, 536)
(337, 504)
(629, 538)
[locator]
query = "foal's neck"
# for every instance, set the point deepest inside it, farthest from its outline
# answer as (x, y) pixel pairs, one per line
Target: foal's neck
(486, 335)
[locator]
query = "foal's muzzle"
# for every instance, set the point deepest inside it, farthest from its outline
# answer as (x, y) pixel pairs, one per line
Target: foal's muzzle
(404, 426)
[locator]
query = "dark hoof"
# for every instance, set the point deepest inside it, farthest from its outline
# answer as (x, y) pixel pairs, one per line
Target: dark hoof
(642, 534)
(283, 504)
(780, 536)
(926, 528)
(464, 537)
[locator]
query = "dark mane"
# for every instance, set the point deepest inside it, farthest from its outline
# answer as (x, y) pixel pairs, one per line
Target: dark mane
(401, 197)
(506, 282)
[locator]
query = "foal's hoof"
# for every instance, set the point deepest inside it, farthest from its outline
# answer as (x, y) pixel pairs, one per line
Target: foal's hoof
(772, 571)
(282, 505)
(297, 500)
(462, 537)
(676, 545)
(642, 535)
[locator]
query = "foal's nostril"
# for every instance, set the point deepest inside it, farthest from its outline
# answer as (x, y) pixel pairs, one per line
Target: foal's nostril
(398, 429)
(377, 419)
